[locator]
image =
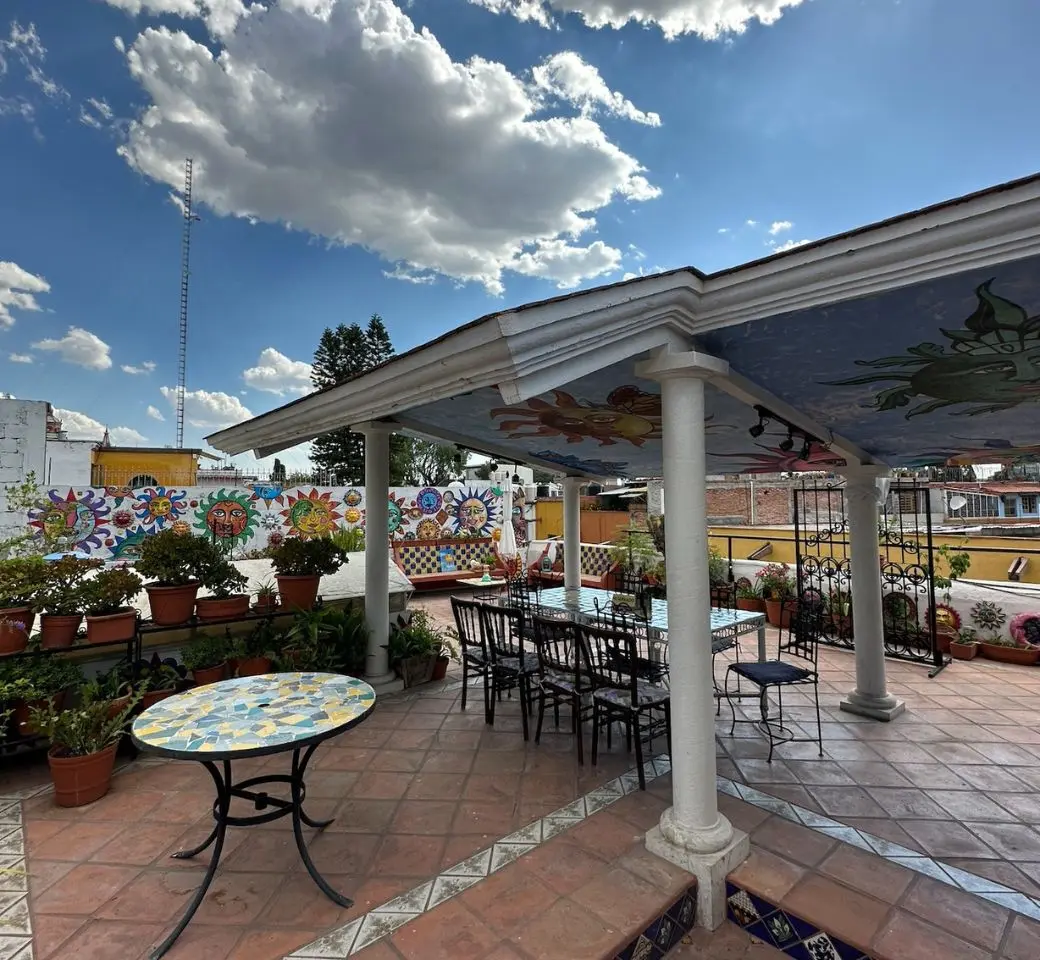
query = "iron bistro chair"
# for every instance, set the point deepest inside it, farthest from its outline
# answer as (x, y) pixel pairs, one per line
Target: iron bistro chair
(511, 664)
(802, 644)
(476, 659)
(561, 679)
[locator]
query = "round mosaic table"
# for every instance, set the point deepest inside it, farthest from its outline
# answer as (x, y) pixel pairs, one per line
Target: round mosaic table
(253, 717)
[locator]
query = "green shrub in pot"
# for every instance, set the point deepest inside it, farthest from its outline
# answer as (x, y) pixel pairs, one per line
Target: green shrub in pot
(60, 599)
(300, 564)
(106, 600)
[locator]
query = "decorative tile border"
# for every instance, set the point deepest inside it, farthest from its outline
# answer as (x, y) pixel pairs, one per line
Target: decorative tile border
(15, 924)
(791, 935)
(382, 921)
(983, 887)
(665, 931)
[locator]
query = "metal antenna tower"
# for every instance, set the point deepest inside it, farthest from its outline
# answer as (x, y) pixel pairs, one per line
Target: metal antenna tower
(182, 357)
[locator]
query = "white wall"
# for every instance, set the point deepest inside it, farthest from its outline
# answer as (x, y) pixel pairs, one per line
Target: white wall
(23, 436)
(67, 463)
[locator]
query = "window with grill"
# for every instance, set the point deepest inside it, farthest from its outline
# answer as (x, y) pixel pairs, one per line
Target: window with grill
(1029, 503)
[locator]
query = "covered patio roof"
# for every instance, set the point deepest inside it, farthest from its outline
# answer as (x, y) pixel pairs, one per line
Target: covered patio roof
(912, 341)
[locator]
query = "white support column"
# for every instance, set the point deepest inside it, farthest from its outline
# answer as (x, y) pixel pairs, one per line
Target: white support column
(377, 550)
(692, 833)
(572, 539)
(871, 697)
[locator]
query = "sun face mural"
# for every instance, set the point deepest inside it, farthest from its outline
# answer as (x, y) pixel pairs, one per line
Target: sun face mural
(128, 547)
(775, 460)
(427, 529)
(475, 511)
(628, 413)
(156, 506)
(993, 364)
(353, 498)
(429, 501)
(227, 515)
(311, 515)
(71, 522)
(268, 493)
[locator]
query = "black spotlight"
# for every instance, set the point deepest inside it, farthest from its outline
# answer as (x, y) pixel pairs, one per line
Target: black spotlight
(757, 430)
(806, 450)
(787, 444)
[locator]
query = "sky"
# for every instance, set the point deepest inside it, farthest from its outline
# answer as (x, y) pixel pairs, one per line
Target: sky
(436, 160)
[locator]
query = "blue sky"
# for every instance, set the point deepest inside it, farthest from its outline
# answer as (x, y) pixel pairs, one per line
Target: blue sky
(326, 162)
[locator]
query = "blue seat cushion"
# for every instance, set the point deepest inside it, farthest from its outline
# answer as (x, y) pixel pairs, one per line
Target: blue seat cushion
(770, 672)
(512, 664)
(646, 694)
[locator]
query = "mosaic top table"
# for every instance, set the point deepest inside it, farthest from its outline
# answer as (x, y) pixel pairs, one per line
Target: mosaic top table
(253, 717)
(725, 624)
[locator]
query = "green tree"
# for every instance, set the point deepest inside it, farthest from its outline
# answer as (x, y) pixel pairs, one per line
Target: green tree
(434, 464)
(484, 471)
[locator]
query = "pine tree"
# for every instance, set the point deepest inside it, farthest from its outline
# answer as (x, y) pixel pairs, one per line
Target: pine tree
(343, 353)
(402, 450)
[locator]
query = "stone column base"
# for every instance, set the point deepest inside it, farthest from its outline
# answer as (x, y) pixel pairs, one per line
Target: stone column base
(877, 708)
(387, 683)
(710, 869)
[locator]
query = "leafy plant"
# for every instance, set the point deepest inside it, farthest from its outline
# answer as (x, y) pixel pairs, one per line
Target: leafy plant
(634, 550)
(776, 582)
(267, 590)
(20, 579)
(221, 577)
(957, 565)
(297, 557)
(419, 637)
(174, 559)
(718, 568)
(110, 591)
(61, 592)
(349, 539)
(749, 589)
(158, 674)
(109, 685)
(988, 616)
(839, 603)
(80, 731)
(37, 678)
(966, 635)
(262, 641)
(21, 497)
(208, 650)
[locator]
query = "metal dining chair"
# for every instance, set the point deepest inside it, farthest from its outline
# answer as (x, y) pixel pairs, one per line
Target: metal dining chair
(561, 680)
(512, 664)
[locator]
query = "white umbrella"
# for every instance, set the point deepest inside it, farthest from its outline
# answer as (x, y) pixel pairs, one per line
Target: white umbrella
(507, 545)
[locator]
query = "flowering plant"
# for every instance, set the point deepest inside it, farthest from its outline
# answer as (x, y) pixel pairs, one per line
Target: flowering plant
(775, 581)
(1025, 628)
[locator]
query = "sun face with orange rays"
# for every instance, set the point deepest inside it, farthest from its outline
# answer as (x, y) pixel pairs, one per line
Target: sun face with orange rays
(628, 413)
(311, 514)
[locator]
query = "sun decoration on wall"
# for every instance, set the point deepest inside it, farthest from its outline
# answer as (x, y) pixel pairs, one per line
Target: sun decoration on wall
(128, 547)
(775, 460)
(71, 522)
(353, 516)
(475, 512)
(156, 506)
(993, 363)
(312, 514)
(268, 492)
(227, 515)
(353, 498)
(397, 514)
(429, 501)
(628, 413)
(427, 529)
(119, 494)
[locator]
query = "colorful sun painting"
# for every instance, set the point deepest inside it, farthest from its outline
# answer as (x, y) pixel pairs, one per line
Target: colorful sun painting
(156, 506)
(474, 511)
(312, 514)
(269, 493)
(228, 515)
(71, 522)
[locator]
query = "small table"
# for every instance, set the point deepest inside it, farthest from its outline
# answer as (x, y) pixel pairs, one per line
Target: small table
(489, 586)
(253, 717)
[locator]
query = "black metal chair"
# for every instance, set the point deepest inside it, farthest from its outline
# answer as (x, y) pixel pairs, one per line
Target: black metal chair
(619, 694)
(512, 665)
(473, 649)
(561, 680)
(622, 620)
(723, 597)
(802, 644)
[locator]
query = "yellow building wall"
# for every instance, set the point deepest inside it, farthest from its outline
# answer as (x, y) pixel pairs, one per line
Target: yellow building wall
(597, 526)
(984, 566)
(548, 519)
(115, 467)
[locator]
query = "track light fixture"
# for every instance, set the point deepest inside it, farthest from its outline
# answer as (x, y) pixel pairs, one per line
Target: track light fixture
(787, 444)
(759, 428)
(794, 434)
(806, 451)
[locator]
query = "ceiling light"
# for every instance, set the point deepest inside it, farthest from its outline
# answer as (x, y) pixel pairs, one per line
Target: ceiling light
(787, 444)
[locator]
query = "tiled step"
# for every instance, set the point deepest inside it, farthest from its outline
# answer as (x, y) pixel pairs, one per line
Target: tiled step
(728, 941)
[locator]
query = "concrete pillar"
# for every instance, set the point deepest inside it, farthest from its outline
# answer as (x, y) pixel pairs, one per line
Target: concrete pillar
(871, 697)
(572, 538)
(692, 833)
(377, 550)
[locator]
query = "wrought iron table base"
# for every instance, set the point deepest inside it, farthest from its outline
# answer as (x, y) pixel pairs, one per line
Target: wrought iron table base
(293, 807)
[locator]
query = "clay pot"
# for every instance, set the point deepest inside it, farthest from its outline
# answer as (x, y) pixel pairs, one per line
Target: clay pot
(440, 668)
(222, 608)
(254, 666)
(172, 606)
(207, 675)
(298, 593)
(117, 706)
(152, 697)
(963, 651)
(81, 780)
(112, 627)
(774, 612)
(754, 604)
(266, 604)
(16, 624)
(1024, 656)
(943, 641)
(59, 631)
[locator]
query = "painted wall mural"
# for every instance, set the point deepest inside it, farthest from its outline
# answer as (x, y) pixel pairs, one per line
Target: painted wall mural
(110, 523)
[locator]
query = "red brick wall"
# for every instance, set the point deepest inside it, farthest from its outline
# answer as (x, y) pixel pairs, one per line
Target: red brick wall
(732, 501)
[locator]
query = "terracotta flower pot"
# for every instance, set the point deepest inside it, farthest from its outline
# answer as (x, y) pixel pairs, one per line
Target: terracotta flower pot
(59, 631)
(440, 668)
(1026, 656)
(20, 714)
(172, 606)
(943, 641)
(754, 604)
(16, 624)
(205, 675)
(117, 706)
(152, 697)
(254, 666)
(963, 651)
(81, 780)
(266, 604)
(112, 627)
(790, 608)
(774, 612)
(298, 593)
(222, 608)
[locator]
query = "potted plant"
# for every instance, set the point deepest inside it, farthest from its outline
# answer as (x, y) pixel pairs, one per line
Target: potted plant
(206, 658)
(266, 597)
(989, 618)
(777, 588)
(35, 682)
(82, 751)
(1025, 629)
(59, 597)
(174, 562)
(225, 582)
(344, 637)
(965, 646)
(446, 651)
(106, 599)
(749, 596)
(254, 651)
(20, 579)
(948, 620)
(838, 605)
(158, 679)
(299, 566)
(113, 687)
(413, 649)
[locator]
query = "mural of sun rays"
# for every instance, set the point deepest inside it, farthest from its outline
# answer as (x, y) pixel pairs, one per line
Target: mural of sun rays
(311, 514)
(228, 515)
(775, 460)
(71, 522)
(475, 512)
(157, 507)
(267, 492)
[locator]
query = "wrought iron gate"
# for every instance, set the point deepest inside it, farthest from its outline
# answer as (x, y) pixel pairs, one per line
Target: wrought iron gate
(824, 574)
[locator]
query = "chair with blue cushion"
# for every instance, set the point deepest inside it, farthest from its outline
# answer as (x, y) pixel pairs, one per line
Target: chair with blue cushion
(561, 679)
(797, 653)
(512, 664)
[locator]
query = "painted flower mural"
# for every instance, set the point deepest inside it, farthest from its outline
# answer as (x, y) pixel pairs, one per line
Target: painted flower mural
(311, 514)
(227, 515)
(74, 521)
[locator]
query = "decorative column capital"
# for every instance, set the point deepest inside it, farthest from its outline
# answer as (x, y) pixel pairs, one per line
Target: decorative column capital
(689, 364)
(373, 426)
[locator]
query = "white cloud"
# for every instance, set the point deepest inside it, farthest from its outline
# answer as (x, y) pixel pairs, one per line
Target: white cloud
(789, 245)
(751, 223)
(80, 347)
(80, 426)
(709, 19)
(221, 16)
(272, 123)
(18, 289)
(276, 373)
(126, 436)
(566, 76)
(24, 47)
(155, 413)
(723, 230)
(19, 358)
(567, 265)
(146, 367)
(779, 226)
(403, 272)
(205, 409)
(119, 44)
(96, 113)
